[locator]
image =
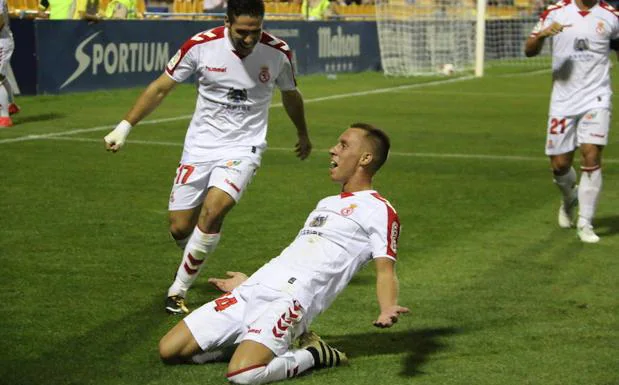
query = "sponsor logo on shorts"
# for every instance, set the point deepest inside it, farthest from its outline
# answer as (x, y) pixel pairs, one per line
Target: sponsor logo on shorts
(550, 144)
(591, 115)
(255, 331)
(172, 198)
(235, 187)
(232, 163)
(597, 135)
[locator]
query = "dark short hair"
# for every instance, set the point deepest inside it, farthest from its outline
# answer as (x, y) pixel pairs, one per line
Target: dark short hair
(254, 8)
(380, 143)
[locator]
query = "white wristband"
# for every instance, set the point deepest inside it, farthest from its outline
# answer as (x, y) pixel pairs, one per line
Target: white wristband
(119, 134)
(124, 128)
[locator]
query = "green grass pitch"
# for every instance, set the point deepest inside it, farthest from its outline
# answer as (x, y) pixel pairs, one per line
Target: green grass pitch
(498, 293)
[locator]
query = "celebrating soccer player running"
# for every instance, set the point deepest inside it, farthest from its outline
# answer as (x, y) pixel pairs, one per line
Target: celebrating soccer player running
(237, 66)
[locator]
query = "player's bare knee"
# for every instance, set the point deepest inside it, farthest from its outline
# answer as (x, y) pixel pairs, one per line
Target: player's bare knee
(180, 230)
(560, 166)
(167, 354)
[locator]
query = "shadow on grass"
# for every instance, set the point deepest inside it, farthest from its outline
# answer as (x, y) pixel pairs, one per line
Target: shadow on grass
(419, 344)
(38, 118)
(101, 355)
(607, 225)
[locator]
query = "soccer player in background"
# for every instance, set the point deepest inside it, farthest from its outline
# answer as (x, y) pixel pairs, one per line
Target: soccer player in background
(266, 312)
(7, 106)
(237, 67)
(580, 104)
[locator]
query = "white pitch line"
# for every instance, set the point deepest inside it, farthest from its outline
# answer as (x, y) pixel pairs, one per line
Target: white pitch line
(468, 93)
(392, 153)
(275, 105)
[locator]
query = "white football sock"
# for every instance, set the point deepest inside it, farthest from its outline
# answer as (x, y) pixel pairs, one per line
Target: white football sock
(288, 365)
(199, 246)
(566, 185)
(588, 193)
(4, 99)
(9, 90)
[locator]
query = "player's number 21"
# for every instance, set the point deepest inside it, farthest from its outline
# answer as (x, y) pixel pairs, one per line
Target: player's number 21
(556, 123)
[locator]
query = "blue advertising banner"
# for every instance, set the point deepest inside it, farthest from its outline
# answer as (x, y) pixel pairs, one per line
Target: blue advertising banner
(78, 56)
(330, 46)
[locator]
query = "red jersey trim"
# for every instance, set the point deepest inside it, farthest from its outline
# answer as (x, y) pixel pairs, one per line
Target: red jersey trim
(554, 7)
(609, 8)
(280, 45)
(393, 227)
(199, 38)
(346, 195)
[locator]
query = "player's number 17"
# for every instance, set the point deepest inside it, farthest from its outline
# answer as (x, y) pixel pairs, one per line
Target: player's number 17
(182, 173)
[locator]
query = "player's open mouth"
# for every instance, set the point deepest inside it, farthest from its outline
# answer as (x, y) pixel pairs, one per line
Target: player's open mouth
(333, 164)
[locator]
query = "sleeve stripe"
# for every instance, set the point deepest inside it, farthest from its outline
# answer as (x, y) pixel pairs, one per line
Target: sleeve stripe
(393, 227)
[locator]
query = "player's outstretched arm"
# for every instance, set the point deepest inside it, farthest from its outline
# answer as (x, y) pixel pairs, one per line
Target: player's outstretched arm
(387, 293)
(534, 44)
(146, 103)
(227, 284)
(293, 104)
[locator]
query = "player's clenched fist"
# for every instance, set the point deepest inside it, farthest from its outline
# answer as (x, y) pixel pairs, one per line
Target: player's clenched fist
(115, 139)
(554, 29)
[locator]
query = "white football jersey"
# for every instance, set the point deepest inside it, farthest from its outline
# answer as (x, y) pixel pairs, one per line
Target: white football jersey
(341, 235)
(580, 56)
(5, 32)
(234, 93)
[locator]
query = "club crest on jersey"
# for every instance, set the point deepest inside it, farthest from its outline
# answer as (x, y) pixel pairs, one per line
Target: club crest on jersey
(318, 221)
(237, 96)
(600, 28)
(591, 115)
(346, 211)
(264, 74)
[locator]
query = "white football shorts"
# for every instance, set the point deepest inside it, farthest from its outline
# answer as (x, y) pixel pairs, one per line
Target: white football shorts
(192, 181)
(250, 312)
(566, 133)
(6, 51)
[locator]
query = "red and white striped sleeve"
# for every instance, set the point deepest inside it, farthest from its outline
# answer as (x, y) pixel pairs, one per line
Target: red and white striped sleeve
(285, 80)
(384, 230)
(185, 62)
(546, 17)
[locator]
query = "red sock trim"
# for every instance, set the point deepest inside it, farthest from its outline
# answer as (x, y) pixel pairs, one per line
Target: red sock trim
(590, 169)
(232, 374)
